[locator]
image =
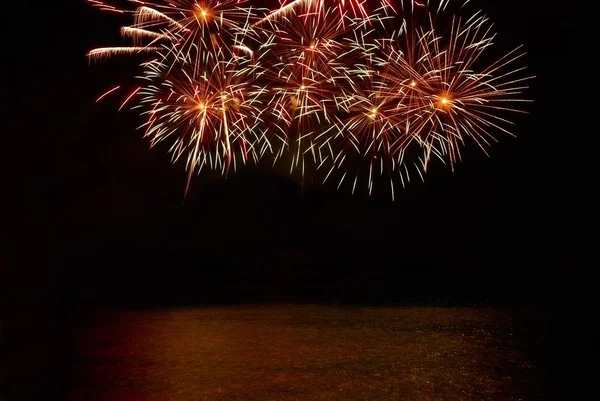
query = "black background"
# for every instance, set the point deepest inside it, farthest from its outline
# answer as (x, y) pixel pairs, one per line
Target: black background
(104, 224)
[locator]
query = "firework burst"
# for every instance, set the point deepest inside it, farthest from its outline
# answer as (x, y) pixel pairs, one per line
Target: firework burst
(368, 127)
(330, 83)
(448, 100)
(301, 49)
(204, 112)
(181, 26)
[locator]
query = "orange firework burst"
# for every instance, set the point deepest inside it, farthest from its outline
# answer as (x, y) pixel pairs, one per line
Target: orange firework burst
(368, 127)
(320, 79)
(204, 111)
(181, 26)
(417, 95)
(446, 98)
(299, 48)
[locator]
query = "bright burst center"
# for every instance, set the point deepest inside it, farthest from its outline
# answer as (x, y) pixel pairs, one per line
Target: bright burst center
(373, 113)
(413, 83)
(444, 102)
(201, 13)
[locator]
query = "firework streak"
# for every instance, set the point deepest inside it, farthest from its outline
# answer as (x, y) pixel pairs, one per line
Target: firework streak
(347, 88)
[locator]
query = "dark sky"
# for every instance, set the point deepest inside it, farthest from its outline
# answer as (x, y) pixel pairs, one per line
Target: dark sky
(105, 217)
(100, 219)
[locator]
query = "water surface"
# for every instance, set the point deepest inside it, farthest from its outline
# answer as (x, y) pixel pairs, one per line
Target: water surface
(290, 352)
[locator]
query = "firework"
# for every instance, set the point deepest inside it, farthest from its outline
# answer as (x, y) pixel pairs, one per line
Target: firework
(203, 111)
(447, 96)
(354, 8)
(299, 49)
(418, 95)
(332, 84)
(181, 26)
(368, 125)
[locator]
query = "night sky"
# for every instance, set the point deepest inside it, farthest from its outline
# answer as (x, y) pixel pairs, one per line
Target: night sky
(113, 223)
(102, 218)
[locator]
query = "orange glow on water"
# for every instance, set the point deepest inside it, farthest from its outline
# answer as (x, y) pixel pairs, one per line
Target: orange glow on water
(190, 354)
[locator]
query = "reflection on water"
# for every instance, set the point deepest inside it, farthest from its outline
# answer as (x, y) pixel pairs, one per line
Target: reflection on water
(300, 353)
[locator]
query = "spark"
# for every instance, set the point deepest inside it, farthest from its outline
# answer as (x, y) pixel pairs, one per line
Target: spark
(129, 97)
(108, 92)
(138, 33)
(105, 52)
